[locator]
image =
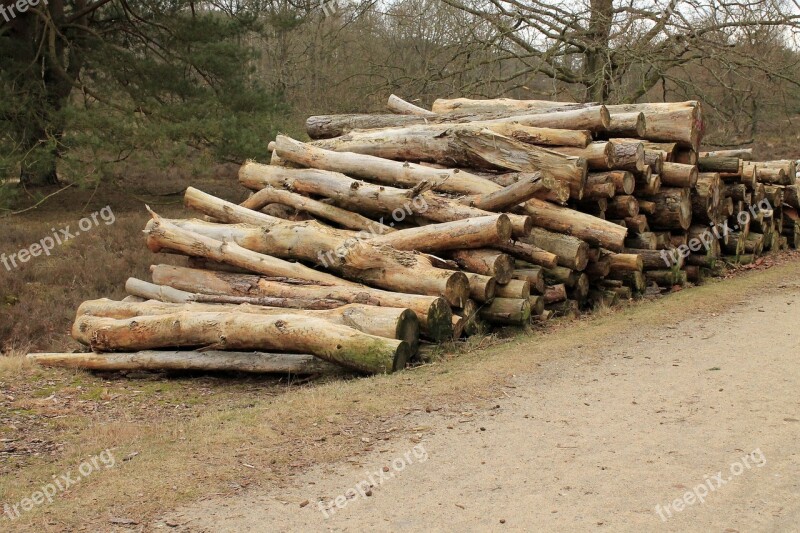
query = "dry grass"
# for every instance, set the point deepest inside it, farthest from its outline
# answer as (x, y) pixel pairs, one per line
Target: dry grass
(193, 436)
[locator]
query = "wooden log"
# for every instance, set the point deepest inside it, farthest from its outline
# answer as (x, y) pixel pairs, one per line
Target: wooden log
(635, 280)
(678, 175)
(461, 146)
(595, 231)
(511, 195)
(162, 235)
(336, 344)
(530, 253)
(625, 262)
(599, 269)
(537, 305)
(642, 241)
(598, 155)
(650, 187)
(673, 209)
(624, 182)
(346, 219)
(570, 252)
(434, 313)
(557, 193)
(533, 275)
(172, 360)
(666, 278)
(580, 289)
(384, 171)
(741, 153)
(719, 164)
(389, 322)
(467, 233)
(622, 206)
(566, 309)
(481, 288)
(594, 118)
(685, 156)
(599, 188)
(500, 105)
(654, 159)
(627, 125)
(361, 261)
(486, 262)
(555, 293)
(472, 325)
(357, 195)
(507, 311)
(647, 207)
(516, 288)
(400, 107)
(680, 122)
(791, 196)
(149, 291)
(659, 259)
(637, 224)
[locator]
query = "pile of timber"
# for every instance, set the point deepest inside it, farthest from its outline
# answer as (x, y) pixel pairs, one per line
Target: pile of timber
(387, 233)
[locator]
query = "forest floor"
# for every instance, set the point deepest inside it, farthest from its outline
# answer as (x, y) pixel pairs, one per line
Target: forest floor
(589, 422)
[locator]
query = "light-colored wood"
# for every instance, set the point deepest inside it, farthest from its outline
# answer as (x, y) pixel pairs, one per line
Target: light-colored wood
(175, 360)
(624, 182)
(673, 209)
(467, 105)
(346, 219)
(514, 194)
(516, 288)
(290, 333)
(399, 106)
(476, 232)
(677, 175)
(389, 322)
(593, 230)
(434, 313)
(598, 155)
(507, 311)
(360, 196)
(486, 262)
(570, 252)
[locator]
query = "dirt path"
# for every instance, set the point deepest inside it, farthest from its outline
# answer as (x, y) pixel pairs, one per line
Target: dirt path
(592, 440)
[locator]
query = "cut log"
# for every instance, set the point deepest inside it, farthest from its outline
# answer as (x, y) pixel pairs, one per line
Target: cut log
(530, 253)
(149, 291)
(597, 188)
(555, 293)
(625, 262)
(166, 236)
(487, 262)
(434, 313)
(677, 175)
(595, 231)
(481, 288)
(499, 105)
(346, 219)
(385, 171)
(207, 361)
(337, 344)
(598, 155)
(741, 153)
(389, 322)
(642, 241)
(570, 252)
(719, 164)
(628, 156)
(516, 288)
(673, 209)
(627, 125)
(399, 106)
(472, 324)
(358, 260)
(461, 234)
(533, 275)
(680, 122)
(360, 196)
(622, 207)
(511, 195)
(507, 311)
(623, 180)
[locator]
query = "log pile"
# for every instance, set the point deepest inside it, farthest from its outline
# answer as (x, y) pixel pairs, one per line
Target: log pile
(385, 232)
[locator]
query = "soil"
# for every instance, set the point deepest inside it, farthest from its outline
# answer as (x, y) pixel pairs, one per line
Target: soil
(591, 439)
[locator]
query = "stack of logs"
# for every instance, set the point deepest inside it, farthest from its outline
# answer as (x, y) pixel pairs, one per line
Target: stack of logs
(389, 232)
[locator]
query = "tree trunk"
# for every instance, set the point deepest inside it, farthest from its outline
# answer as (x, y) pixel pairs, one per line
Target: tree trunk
(507, 311)
(673, 209)
(598, 155)
(207, 361)
(516, 288)
(359, 196)
(595, 231)
(466, 105)
(570, 252)
(389, 322)
(337, 344)
(485, 262)
(400, 107)
(677, 175)
(433, 313)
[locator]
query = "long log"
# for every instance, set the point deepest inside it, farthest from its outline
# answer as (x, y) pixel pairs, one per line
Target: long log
(172, 360)
(434, 313)
(343, 217)
(337, 344)
(399, 106)
(570, 252)
(461, 234)
(358, 260)
(356, 195)
(467, 105)
(389, 322)
(593, 230)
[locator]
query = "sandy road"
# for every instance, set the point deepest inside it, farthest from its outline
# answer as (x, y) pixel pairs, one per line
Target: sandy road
(592, 440)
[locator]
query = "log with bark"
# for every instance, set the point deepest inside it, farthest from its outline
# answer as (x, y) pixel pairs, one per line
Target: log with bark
(570, 252)
(434, 313)
(364, 197)
(197, 361)
(389, 322)
(507, 311)
(673, 209)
